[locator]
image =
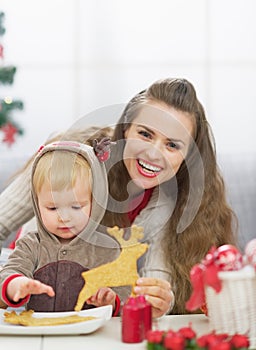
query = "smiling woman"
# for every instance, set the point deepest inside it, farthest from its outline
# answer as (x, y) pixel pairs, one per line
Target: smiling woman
(164, 170)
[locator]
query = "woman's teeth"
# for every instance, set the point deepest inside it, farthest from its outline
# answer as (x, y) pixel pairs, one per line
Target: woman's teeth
(148, 166)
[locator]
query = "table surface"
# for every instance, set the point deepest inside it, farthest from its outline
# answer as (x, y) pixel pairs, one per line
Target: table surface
(108, 337)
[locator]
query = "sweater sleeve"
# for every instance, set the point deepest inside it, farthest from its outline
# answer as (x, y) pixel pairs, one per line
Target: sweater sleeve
(22, 260)
(15, 205)
(5, 297)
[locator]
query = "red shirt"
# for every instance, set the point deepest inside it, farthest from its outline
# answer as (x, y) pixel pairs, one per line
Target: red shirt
(138, 203)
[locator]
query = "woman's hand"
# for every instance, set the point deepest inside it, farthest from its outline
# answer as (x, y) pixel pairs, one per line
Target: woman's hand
(158, 293)
(104, 296)
(21, 286)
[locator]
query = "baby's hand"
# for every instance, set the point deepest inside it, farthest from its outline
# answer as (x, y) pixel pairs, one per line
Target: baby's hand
(104, 296)
(21, 286)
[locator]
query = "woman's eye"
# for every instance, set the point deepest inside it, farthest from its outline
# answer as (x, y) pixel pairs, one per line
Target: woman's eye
(144, 133)
(173, 145)
(76, 207)
(51, 208)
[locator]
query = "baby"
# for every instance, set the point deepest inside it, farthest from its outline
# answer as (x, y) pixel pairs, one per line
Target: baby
(70, 193)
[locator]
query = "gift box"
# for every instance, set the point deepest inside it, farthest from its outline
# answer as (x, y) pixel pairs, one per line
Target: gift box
(225, 282)
(233, 309)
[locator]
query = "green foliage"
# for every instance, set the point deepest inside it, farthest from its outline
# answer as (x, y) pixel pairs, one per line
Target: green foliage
(2, 29)
(7, 74)
(5, 110)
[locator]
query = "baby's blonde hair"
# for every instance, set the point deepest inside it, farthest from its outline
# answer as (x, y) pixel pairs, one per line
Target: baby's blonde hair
(61, 169)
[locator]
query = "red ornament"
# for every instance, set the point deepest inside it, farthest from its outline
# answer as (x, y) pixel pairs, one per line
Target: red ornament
(174, 342)
(228, 258)
(155, 336)
(187, 333)
(9, 131)
(185, 338)
(240, 341)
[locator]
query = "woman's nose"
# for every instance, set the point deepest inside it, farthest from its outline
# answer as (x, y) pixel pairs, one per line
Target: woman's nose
(154, 150)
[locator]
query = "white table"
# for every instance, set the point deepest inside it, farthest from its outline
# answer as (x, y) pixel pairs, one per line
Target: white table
(107, 337)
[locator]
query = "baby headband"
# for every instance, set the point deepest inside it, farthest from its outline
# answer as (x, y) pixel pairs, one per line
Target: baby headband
(101, 148)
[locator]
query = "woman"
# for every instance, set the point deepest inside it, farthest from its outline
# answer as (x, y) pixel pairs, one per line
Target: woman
(163, 176)
(176, 125)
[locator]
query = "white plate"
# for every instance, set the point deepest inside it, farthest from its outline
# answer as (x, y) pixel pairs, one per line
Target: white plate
(103, 314)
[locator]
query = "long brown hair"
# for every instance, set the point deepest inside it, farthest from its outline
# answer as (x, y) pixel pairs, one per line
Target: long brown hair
(214, 222)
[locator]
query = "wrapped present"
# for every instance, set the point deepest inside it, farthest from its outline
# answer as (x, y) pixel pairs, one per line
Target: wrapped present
(225, 281)
(205, 274)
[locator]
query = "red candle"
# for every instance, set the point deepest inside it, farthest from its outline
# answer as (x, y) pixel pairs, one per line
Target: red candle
(147, 314)
(136, 319)
(132, 325)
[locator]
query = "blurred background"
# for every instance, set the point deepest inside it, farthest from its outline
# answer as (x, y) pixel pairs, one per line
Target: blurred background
(77, 56)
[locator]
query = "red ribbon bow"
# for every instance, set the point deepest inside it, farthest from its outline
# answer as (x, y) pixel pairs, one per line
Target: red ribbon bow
(201, 275)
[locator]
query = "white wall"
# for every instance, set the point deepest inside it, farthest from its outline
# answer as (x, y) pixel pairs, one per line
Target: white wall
(75, 56)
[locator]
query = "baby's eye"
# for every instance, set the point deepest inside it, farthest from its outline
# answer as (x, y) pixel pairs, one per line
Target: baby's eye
(76, 207)
(145, 133)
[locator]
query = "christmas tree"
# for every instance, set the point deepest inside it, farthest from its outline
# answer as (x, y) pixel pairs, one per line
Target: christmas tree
(8, 127)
